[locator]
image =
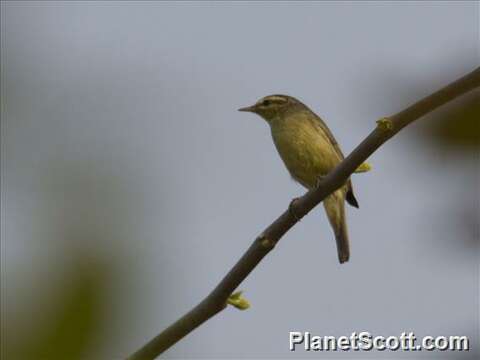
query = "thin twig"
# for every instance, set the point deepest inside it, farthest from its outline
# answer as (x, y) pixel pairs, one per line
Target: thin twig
(216, 301)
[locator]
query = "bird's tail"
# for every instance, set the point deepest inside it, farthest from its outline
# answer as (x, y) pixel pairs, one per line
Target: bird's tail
(335, 208)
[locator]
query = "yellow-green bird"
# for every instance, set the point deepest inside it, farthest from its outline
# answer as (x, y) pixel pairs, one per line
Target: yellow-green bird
(309, 151)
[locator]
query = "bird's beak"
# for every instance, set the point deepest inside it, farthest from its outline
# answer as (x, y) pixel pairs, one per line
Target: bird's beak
(248, 109)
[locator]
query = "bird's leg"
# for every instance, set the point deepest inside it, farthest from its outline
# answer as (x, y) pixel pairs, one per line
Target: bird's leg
(291, 209)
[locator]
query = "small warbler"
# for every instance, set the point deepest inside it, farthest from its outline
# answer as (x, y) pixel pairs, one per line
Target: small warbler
(309, 151)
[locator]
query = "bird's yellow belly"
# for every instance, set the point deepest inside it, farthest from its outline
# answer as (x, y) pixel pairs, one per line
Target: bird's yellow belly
(306, 152)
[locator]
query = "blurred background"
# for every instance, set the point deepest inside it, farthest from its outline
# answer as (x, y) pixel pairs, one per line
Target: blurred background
(130, 184)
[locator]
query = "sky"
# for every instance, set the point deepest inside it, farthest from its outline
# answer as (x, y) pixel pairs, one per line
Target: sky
(121, 142)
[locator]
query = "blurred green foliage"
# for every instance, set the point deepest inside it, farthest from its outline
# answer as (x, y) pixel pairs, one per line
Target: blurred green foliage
(458, 124)
(74, 324)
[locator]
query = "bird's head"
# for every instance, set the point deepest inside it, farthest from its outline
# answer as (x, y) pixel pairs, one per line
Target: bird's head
(273, 106)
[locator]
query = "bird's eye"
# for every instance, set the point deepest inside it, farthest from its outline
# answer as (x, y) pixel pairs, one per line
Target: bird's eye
(266, 102)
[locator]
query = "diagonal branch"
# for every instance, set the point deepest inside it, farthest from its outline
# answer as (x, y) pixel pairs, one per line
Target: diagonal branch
(216, 301)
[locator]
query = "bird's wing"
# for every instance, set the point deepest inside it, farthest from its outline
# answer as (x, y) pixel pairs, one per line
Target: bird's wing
(323, 127)
(350, 197)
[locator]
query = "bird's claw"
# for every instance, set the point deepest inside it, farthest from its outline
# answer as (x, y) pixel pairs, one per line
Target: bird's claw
(291, 209)
(319, 181)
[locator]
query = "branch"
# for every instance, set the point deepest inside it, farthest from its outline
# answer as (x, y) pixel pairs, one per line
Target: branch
(216, 301)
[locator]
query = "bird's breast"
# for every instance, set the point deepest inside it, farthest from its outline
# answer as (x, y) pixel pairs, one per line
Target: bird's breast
(305, 150)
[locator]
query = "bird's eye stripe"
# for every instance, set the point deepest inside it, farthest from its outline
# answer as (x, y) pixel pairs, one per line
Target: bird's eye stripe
(273, 100)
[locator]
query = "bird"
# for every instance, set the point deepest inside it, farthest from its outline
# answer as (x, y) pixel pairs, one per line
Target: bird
(309, 151)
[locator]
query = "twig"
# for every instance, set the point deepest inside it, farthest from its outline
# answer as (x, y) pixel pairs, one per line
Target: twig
(216, 301)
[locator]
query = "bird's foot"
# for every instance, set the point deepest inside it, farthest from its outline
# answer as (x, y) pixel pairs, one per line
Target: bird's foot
(291, 209)
(320, 180)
